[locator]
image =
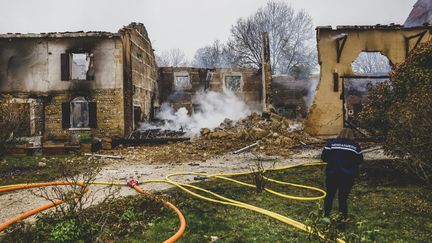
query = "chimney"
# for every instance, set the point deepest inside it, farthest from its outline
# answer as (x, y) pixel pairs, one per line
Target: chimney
(266, 73)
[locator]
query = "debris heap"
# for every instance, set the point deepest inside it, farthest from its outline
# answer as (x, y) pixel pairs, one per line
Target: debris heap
(275, 136)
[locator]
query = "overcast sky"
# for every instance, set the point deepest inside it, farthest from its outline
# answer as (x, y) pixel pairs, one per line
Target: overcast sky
(184, 24)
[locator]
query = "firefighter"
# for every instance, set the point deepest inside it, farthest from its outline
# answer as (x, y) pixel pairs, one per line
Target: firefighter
(343, 156)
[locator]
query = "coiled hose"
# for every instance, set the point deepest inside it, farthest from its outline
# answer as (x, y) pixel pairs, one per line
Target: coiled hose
(188, 189)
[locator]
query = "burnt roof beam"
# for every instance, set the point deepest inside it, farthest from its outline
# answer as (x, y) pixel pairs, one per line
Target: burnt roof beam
(419, 37)
(340, 44)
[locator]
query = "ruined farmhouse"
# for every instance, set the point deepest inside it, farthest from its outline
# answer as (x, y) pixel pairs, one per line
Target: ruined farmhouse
(107, 83)
(100, 82)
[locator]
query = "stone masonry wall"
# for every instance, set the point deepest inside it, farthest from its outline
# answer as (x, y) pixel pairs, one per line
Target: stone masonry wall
(109, 114)
(211, 80)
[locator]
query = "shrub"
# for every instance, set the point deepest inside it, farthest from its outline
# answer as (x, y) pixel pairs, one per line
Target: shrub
(65, 231)
(333, 229)
(400, 111)
(86, 138)
(13, 120)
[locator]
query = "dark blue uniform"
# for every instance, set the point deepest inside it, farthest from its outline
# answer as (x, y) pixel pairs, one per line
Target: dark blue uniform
(343, 157)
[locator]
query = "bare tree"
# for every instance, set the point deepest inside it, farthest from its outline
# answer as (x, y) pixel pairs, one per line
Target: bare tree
(371, 63)
(209, 56)
(216, 55)
(172, 58)
(291, 35)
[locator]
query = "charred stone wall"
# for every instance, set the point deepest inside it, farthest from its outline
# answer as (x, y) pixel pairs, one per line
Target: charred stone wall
(179, 93)
(140, 75)
(251, 84)
(266, 73)
(33, 67)
(86, 81)
(181, 97)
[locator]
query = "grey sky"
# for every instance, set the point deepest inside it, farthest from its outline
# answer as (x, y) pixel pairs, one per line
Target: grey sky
(184, 24)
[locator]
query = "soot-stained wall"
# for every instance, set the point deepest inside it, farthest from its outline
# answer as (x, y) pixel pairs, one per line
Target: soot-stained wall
(201, 79)
(140, 76)
(337, 49)
(124, 74)
(32, 67)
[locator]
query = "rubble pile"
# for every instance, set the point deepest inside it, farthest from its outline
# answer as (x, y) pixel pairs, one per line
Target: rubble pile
(276, 136)
(171, 153)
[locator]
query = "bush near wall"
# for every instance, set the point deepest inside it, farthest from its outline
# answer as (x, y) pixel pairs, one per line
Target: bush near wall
(13, 121)
(401, 111)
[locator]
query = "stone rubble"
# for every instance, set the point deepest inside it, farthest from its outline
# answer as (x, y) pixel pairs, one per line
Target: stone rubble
(275, 134)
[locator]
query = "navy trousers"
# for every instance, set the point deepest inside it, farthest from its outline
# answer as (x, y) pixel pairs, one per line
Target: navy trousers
(338, 182)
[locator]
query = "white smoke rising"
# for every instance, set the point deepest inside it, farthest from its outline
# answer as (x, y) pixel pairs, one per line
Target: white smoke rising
(313, 83)
(213, 109)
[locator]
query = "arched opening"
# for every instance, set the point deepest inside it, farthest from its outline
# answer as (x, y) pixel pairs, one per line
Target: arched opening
(371, 64)
(369, 68)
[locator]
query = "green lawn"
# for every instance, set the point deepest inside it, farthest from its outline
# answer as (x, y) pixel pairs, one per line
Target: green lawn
(385, 199)
(27, 169)
(22, 169)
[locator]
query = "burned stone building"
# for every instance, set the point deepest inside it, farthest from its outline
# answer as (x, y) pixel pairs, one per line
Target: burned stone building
(98, 82)
(338, 48)
(178, 85)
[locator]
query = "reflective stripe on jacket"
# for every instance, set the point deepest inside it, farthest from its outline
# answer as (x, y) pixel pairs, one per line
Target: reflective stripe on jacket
(342, 156)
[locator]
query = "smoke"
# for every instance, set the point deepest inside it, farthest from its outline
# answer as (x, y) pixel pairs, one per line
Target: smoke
(212, 109)
(313, 82)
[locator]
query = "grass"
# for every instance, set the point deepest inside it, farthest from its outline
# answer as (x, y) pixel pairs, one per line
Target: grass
(24, 169)
(385, 198)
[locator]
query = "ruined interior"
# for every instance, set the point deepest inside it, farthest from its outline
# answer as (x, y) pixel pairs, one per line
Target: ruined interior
(337, 49)
(178, 85)
(290, 96)
(98, 82)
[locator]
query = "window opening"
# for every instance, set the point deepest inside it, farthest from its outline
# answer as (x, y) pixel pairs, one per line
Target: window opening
(82, 67)
(79, 113)
(182, 81)
(233, 82)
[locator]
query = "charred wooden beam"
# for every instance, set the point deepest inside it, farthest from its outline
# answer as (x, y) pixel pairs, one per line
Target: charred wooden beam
(150, 141)
(419, 37)
(340, 44)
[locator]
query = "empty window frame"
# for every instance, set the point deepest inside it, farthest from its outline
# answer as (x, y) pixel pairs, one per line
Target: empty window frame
(79, 114)
(77, 66)
(182, 81)
(233, 82)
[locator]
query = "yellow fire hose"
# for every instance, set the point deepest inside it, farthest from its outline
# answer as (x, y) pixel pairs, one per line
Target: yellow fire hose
(187, 188)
